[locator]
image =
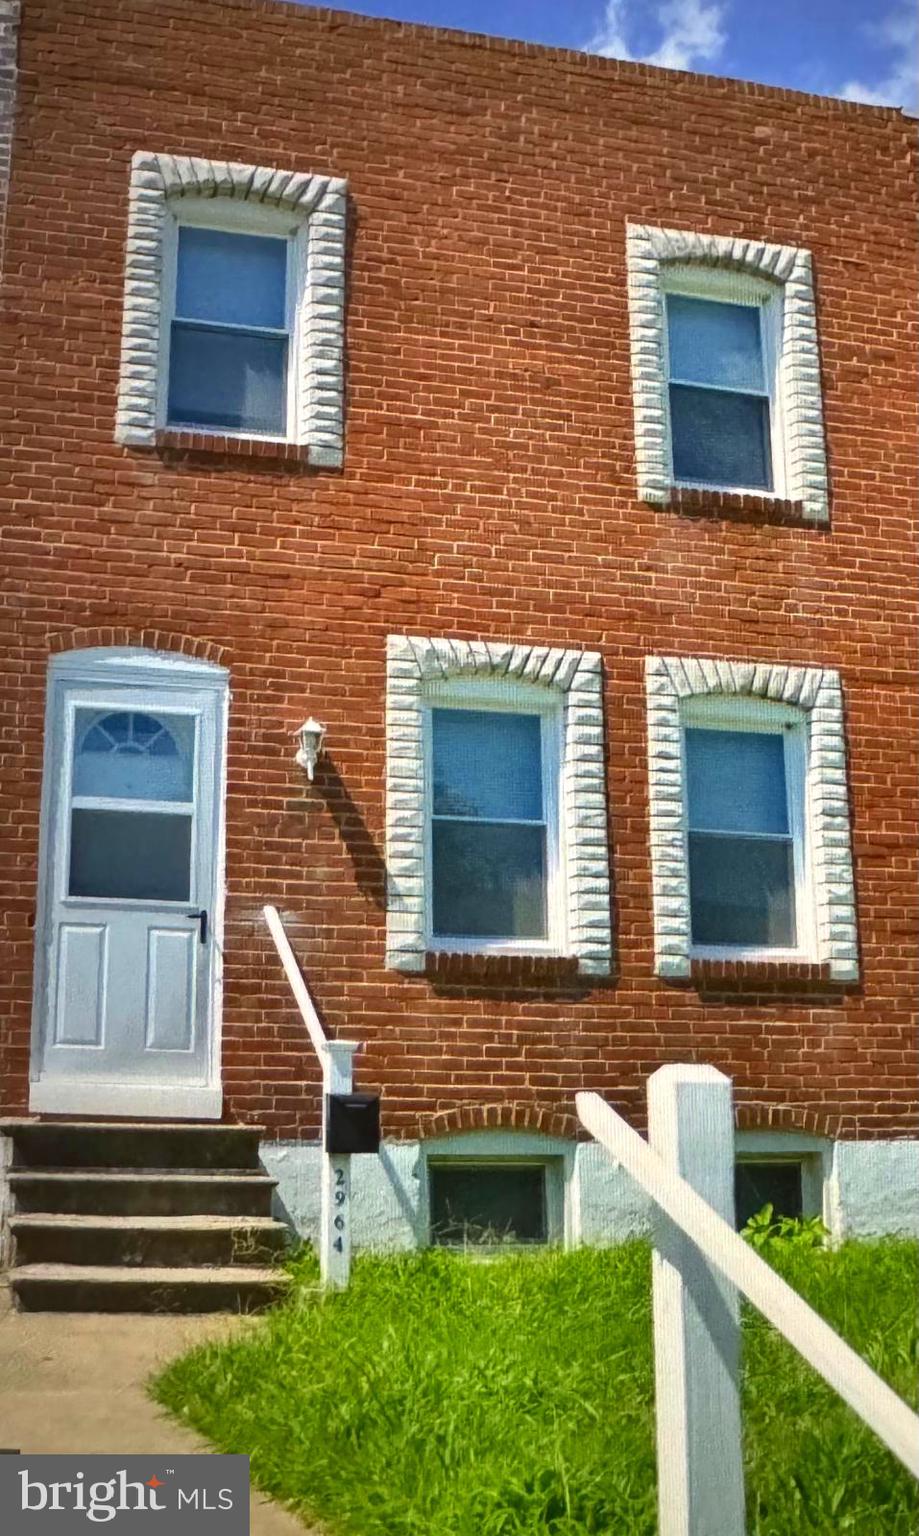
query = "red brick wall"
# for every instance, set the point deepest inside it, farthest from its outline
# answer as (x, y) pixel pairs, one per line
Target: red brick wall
(488, 491)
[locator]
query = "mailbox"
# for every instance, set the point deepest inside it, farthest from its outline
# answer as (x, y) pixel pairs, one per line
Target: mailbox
(352, 1122)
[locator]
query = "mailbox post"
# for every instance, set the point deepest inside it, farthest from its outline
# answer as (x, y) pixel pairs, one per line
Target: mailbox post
(335, 1217)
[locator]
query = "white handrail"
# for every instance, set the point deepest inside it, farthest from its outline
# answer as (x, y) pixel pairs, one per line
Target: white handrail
(335, 1058)
(297, 985)
(857, 1384)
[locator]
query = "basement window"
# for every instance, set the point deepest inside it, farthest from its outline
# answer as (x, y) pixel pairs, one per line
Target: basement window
(487, 1204)
(778, 1183)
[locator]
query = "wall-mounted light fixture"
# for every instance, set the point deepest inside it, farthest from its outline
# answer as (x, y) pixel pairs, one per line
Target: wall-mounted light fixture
(310, 737)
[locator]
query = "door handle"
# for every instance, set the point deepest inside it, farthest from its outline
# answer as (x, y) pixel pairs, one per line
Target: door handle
(202, 923)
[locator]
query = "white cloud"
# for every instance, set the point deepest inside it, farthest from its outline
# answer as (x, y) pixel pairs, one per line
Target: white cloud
(692, 33)
(897, 82)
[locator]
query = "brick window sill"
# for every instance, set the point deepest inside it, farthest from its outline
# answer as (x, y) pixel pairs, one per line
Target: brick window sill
(461, 968)
(737, 506)
(760, 976)
(218, 445)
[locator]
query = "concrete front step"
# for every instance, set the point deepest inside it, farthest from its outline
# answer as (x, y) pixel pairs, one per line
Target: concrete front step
(147, 1193)
(123, 1144)
(157, 1241)
(94, 1288)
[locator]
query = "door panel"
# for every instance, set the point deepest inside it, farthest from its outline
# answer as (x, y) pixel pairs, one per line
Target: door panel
(131, 853)
(171, 957)
(80, 997)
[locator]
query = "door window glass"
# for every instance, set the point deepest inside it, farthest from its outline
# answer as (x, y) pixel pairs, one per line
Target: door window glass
(127, 852)
(133, 855)
(129, 755)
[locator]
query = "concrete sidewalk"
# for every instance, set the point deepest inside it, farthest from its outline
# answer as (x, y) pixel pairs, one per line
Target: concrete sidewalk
(74, 1382)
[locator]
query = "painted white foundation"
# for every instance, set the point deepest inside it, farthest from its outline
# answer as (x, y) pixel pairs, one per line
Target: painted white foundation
(874, 1188)
(6, 1201)
(864, 1188)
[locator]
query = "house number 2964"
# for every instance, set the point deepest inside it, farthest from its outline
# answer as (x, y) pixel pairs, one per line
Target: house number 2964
(340, 1200)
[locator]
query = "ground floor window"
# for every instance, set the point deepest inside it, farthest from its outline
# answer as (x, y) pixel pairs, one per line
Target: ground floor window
(769, 1182)
(487, 1203)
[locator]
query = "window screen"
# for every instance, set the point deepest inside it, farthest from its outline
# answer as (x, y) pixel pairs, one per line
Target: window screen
(767, 1183)
(494, 1203)
(488, 825)
(229, 340)
(719, 397)
(741, 847)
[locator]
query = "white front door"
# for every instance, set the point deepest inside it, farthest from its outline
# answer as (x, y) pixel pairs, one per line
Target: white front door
(129, 901)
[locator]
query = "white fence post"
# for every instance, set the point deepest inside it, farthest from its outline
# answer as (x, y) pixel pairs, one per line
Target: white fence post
(335, 1218)
(696, 1316)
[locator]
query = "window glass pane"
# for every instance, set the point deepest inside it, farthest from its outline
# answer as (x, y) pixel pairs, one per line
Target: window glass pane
(487, 764)
(742, 891)
(481, 1205)
(237, 278)
(720, 439)
(712, 343)
(130, 854)
(489, 880)
(127, 755)
(736, 781)
(228, 379)
(759, 1184)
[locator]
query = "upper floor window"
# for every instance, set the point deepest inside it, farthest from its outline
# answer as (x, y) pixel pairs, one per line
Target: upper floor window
(229, 344)
(725, 368)
(721, 388)
(234, 305)
(493, 828)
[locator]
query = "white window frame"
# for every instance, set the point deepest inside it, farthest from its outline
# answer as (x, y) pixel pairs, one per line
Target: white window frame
(767, 299)
(496, 1148)
(762, 718)
(499, 700)
(813, 1153)
(169, 190)
(422, 670)
(713, 266)
(828, 933)
(233, 219)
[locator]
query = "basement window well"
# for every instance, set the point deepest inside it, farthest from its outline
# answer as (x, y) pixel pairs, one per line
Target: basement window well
(474, 1204)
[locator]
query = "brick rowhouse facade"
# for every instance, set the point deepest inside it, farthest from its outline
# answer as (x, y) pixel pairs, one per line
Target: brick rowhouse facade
(488, 492)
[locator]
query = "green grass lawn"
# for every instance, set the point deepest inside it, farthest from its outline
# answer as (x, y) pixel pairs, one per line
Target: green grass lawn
(441, 1396)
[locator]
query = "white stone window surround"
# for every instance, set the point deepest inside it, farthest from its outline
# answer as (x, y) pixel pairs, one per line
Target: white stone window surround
(815, 693)
(417, 670)
(166, 190)
(661, 259)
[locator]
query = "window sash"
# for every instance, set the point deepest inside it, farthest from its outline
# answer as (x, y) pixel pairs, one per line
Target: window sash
(495, 698)
(710, 286)
(224, 215)
(794, 742)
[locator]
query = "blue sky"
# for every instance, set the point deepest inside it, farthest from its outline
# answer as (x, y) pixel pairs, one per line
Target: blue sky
(865, 50)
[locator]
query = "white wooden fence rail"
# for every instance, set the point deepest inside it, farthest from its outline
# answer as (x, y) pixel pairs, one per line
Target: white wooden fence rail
(336, 1061)
(683, 1120)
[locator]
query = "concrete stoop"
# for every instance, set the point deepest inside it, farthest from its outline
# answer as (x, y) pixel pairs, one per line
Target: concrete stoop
(141, 1218)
